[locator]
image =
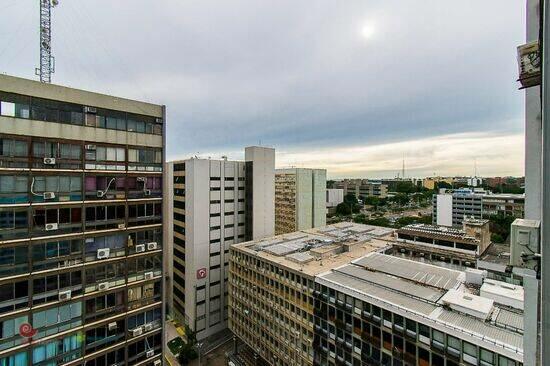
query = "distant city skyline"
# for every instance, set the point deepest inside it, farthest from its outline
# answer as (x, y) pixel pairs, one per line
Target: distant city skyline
(346, 86)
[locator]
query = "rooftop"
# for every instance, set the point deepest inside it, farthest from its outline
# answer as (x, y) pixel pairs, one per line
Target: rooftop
(316, 250)
(436, 296)
(439, 231)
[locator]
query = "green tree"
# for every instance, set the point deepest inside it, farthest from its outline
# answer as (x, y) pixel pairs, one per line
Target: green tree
(343, 209)
(330, 184)
(380, 221)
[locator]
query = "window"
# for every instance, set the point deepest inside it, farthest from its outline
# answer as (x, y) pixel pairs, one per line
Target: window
(13, 223)
(470, 353)
(63, 186)
(13, 148)
(13, 189)
(487, 357)
(13, 105)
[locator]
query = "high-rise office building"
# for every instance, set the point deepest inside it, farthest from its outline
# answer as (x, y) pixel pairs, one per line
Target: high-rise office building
(81, 279)
(211, 210)
(300, 199)
(330, 296)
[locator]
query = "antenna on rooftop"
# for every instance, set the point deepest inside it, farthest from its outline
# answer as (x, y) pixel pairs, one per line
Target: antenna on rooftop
(47, 61)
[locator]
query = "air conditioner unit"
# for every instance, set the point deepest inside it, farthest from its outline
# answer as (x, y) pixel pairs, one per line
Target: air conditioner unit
(147, 192)
(140, 248)
(52, 226)
(103, 286)
(152, 246)
(150, 353)
(158, 120)
(159, 362)
(529, 62)
(49, 161)
(103, 253)
(122, 226)
(137, 332)
(148, 327)
(90, 147)
(64, 295)
(149, 275)
(90, 109)
(141, 179)
(100, 194)
(49, 195)
(112, 326)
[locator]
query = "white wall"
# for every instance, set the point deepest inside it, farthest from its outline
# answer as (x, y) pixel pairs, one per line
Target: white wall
(263, 190)
(445, 209)
(335, 196)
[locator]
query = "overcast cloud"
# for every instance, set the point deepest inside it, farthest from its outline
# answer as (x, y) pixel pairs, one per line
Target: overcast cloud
(434, 81)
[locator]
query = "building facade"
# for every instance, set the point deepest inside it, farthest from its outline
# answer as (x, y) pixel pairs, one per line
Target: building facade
(363, 188)
(300, 196)
(211, 211)
(271, 283)
(81, 236)
(374, 311)
(449, 208)
(329, 296)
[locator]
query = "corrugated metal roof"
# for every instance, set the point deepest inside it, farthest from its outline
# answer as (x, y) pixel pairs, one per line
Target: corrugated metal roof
(382, 293)
(482, 329)
(425, 274)
(392, 283)
(511, 319)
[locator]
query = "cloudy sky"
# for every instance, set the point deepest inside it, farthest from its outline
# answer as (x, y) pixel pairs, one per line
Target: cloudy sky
(352, 86)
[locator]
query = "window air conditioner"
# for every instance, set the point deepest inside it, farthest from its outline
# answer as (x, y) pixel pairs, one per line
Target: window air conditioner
(90, 147)
(49, 161)
(121, 226)
(150, 353)
(52, 226)
(112, 326)
(152, 246)
(137, 332)
(149, 275)
(64, 295)
(100, 194)
(147, 192)
(90, 109)
(103, 286)
(158, 120)
(157, 363)
(140, 248)
(103, 253)
(49, 195)
(148, 327)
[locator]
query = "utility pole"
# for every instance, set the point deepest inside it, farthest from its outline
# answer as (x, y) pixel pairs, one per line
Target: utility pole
(47, 61)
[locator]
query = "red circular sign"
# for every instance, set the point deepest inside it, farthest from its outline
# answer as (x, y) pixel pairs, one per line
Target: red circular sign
(201, 273)
(26, 330)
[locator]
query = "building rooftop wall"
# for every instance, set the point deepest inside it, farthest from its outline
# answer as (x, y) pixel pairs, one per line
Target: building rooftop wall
(34, 88)
(418, 291)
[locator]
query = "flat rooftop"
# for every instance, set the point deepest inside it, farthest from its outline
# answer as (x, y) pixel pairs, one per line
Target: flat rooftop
(315, 251)
(438, 232)
(436, 296)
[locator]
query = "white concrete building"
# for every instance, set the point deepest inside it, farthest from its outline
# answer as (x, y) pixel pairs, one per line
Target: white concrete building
(215, 203)
(300, 196)
(335, 196)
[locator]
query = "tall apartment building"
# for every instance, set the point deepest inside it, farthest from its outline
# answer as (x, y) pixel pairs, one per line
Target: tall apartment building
(300, 196)
(212, 209)
(451, 207)
(330, 297)
(81, 234)
(363, 188)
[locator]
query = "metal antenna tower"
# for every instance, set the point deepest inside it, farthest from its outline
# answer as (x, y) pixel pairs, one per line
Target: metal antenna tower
(47, 61)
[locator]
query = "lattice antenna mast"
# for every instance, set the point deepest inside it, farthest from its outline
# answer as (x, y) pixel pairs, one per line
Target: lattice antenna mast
(47, 61)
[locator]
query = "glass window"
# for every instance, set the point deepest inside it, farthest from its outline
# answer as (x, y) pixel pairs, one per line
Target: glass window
(487, 357)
